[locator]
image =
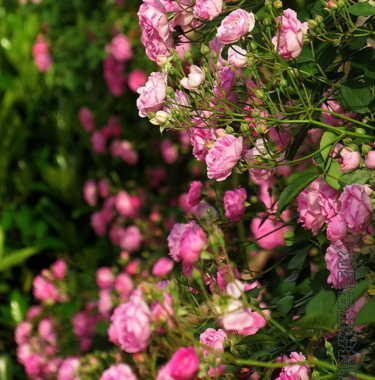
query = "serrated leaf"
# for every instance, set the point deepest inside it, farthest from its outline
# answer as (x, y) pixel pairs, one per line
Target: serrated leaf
(257, 338)
(355, 96)
(291, 191)
(362, 9)
(360, 176)
(285, 304)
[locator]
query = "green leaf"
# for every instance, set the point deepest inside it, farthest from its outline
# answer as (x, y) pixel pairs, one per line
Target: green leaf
(257, 338)
(285, 304)
(6, 367)
(292, 190)
(366, 314)
(298, 260)
(327, 138)
(362, 9)
(317, 320)
(101, 328)
(298, 139)
(333, 174)
(18, 306)
(16, 257)
(360, 176)
(355, 96)
(2, 238)
(323, 301)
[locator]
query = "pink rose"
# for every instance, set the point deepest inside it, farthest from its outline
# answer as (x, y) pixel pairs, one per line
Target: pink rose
(213, 339)
(98, 223)
(184, 364)
(105, 278)
(195, 193)
(269, 233)
(42, 59)
(309, 210)
(195, 78)
(162, 267)
(152, 95)
(104, 188)
(337, 252)
(59, 269)
(157, 37)
(332, 105)
(86, 119)
(126, 205)
(370, 160)
(336, 229)
(225, 274)
(186, 242)
(130, 325)
(289, 37)
(207, 9)
(164, 374)
(253, 157)
(163, 313)
(113, 75)
(137, 78)
(131, 239)
(89, 192)
(350, 161)
(236, 25)
(98, 142)
(297, 371)
(223, 157)
(69, 369)
(356, 208)
(124, 286)
(234, 204)
(237, 56)
(22, 332)
(118, 372)
(121, 49)
(200, 139)
(328, 199)
(169, 151)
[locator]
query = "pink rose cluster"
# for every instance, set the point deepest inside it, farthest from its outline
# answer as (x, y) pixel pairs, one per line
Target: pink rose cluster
(49, 286)
(295, 371)
(186, 242)
(42, 58)
(289, 36)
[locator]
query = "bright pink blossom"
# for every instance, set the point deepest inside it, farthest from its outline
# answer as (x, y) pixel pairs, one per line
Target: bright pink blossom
(121, 48)
(136, 79)
(184, 364)
(289, 37)
(118, 372)
(86, 119)
(234, 204)
(236, 25)
(195, 193)
(130, 325)
(162, 267)
(297, 371)
(223, 157)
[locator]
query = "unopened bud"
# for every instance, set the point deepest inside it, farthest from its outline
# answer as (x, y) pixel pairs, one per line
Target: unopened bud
(253, 200)
(319, 19)
(255, 113)
(354, 147)
(176, 113)
(214, 55)
(283, 83)
(267, 21)
(187, 55)
(162, 116)
(331, 5)
(368, 240)
(259, 94)
(341, 4)
(313, 251)
(366, 148)
(361, 131)
(161, 60)
(312, 24)
(226, 343)
(268, 3)
(253, 45)
(244, 127)
(170, 91)
(261, 128)
(205, 49)
(229, 129)
(289, 238)
(278, 4)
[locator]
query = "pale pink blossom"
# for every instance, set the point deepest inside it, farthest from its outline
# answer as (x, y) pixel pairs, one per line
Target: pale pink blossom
(121, 48)
(236, 25)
